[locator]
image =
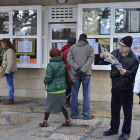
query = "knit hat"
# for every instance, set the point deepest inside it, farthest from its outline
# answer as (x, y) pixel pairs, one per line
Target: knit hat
(127, 40)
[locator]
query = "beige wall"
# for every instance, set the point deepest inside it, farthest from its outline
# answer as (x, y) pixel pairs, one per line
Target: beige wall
(54, 2)
(29, 83)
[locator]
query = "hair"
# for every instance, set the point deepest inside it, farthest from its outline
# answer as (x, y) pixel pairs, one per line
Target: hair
(72, 40)
(55, 52)
(8, 44)
(83, 37)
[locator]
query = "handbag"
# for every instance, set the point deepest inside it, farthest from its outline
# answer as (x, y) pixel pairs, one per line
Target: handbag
(2, 71)
(70, 78)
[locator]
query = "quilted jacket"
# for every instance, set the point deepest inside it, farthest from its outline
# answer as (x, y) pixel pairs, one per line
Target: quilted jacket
(55, 75)
(9, 61)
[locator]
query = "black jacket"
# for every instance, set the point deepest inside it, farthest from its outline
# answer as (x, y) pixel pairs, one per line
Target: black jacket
(130, 63)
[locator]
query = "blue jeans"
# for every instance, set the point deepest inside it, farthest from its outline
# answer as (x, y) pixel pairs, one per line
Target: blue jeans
(86, 82)
(9, 79)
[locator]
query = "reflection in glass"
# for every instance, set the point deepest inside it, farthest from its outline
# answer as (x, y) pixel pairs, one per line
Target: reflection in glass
(25, 22)
(96, 21)
(4, 23)
(63, 33)
(26, 50)
(127, 20)
(58, 45)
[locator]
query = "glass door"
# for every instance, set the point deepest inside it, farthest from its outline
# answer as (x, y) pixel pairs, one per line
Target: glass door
(59, 34)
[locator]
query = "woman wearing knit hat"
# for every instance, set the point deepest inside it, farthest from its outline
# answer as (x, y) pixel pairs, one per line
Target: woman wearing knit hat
(122, 88)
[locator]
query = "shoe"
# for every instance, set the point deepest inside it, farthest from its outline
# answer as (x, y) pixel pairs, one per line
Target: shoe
(124, 136)
(89, 118)
(110, 132)
(72, 117)
(9, 102)
(44, 124)
(67, 124)
(138, 138)
(67, 105)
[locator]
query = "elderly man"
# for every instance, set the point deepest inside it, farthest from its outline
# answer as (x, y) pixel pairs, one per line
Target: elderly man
(122, 88)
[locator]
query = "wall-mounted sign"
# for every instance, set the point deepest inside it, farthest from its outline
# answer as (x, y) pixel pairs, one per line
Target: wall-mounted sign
(62, 1)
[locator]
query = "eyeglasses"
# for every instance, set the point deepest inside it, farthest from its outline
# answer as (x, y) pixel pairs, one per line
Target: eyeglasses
(123, 46)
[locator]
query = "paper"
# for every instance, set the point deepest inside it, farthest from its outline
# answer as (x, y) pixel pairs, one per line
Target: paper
(94, 45)
(25, 59)
(33, 61)
(60, 45)
(134, 21)
(110, 58)
(24, 46)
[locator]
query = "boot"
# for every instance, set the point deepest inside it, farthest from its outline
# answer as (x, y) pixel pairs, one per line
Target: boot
(9, 102)
(44, 124)
(67, 124)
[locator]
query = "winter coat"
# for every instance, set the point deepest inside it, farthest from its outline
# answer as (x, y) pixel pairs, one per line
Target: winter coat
(81, 55)
(130, 63)
(9, 61)
(55, 75)
(65, 50)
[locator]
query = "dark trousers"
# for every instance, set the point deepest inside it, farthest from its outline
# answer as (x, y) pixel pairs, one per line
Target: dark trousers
(122, 98)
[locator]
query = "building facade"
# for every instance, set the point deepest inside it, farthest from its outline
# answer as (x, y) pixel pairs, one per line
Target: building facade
(42, 24)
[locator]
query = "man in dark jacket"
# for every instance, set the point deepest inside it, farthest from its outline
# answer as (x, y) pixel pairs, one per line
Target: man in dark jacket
(65, 50)
(122, 88)
(80, 58)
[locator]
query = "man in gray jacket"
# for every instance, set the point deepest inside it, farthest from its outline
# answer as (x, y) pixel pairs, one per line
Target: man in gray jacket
(80, 58)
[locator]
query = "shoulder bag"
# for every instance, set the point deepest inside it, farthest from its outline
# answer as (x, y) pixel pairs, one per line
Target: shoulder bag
(2, 71)
(70, 78)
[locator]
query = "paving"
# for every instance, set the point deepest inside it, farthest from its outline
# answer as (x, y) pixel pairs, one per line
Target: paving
(20, 121)
(24, 126)
(37, 105)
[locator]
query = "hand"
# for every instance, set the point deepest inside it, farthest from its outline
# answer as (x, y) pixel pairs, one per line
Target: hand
(78, 71)
(122, 71)
(6, 74)
(102, 55)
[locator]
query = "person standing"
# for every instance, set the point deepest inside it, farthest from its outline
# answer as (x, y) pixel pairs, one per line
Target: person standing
(65, 50)
(56, 82)
(9, 63)
(122, 88)
(80, 58)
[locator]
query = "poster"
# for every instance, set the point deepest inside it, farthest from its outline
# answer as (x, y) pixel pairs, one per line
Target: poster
(105, 42)
(91, 23)
(24, 46)
(133, 21)
(136, 46)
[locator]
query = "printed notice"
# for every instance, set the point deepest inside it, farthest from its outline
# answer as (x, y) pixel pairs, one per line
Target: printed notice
(25, 59)
(24, 46)
(135, 21)
(94, 45)
(60, 45)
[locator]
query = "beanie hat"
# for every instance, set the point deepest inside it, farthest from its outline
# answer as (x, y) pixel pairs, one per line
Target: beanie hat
(127, 40)
(72, 40)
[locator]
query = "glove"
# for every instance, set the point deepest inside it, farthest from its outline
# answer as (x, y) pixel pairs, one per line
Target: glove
(78, 71)
(6, 74)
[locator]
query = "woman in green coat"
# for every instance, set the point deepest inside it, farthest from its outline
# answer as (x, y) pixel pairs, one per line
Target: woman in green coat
(56, 82)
